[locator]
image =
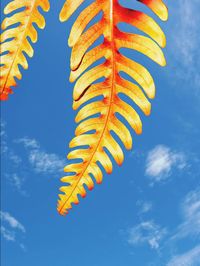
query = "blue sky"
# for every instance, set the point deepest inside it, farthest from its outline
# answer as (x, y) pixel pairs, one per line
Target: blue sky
(147, 213)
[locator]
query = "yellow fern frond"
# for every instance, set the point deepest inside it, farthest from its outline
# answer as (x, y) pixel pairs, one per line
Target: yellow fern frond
(102, 107)
(15, 44)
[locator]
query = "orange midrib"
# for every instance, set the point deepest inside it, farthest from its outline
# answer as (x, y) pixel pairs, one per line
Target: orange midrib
(109, 105)
(20, 44)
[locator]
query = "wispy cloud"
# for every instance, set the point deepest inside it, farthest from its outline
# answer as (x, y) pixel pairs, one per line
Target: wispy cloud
(190, 258)
(147, 232)
(184, 40)
(10, 227)
(144, 206)
(160, 162)
(161, 238)
(187, 230)
(17, 181)
(7, 234)
(15, 158)
(40, 160)
(28, 143)
(35, 160)
(190, 225)
(3, 137)
(11, 221)
(47, 163)
(10, 161)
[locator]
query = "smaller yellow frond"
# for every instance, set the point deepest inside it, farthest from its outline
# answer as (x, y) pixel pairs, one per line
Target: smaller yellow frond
(15, 44)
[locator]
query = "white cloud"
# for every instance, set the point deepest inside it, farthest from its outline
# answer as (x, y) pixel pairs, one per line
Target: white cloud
(144, 206)
(187, 36)
(22, 247)
(2, 133)
(161, 160)
(19, 165)
(184, 38)
(43, 162)
(10, 154)
(10, 227)
(40, 160)
(11, 221)
(190, 258)
(7, 234)
(17, 181)
(3, 136)
(28, 143)
(14, 158)
(146, 233)
(190, 225)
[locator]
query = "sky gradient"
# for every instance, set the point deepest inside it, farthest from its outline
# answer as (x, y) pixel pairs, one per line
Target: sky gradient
(147, 213)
